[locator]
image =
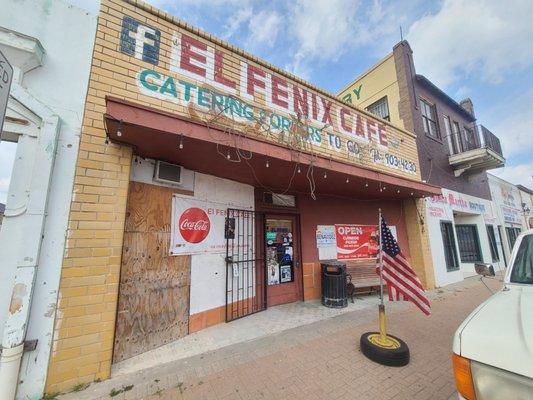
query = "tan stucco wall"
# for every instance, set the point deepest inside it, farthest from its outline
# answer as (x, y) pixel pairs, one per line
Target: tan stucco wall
(379, 81)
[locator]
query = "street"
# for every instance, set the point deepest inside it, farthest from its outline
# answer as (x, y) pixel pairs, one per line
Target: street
(320, 360)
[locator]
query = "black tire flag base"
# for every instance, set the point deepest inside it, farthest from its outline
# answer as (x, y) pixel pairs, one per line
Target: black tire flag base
(395, 355)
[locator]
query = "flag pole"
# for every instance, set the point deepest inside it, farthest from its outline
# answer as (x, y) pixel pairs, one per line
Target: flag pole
(382, 324)
(380, 261)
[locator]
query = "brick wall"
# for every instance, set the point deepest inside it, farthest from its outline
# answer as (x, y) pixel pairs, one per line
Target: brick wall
(433, 153)
(85, 321)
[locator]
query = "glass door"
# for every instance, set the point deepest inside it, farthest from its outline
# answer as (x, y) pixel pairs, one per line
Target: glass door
(282, 262)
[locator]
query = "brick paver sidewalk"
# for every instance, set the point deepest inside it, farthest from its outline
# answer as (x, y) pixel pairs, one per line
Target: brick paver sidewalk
(322, 360)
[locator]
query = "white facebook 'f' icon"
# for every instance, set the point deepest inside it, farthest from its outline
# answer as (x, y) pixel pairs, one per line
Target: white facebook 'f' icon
(140, 41)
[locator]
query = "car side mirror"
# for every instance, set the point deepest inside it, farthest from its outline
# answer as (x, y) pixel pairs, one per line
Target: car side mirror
(484, 269)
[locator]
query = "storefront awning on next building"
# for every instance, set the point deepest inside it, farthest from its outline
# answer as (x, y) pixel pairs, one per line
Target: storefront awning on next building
(208, 149)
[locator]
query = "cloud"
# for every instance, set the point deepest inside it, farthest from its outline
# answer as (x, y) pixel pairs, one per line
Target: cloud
(519, 174)
(264, 27)
(477, 38)
(236, 20)
(514, 130)
(324, 31)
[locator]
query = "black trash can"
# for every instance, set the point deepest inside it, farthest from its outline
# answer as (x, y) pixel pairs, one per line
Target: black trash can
(334, 284)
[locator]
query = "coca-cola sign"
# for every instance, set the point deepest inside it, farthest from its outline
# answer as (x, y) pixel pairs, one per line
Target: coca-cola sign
(194, 225)
(198, 226)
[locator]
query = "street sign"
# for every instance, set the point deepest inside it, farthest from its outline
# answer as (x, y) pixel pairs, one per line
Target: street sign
(6, 75)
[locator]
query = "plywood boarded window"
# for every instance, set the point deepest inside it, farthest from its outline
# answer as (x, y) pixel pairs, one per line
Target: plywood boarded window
(153, 307)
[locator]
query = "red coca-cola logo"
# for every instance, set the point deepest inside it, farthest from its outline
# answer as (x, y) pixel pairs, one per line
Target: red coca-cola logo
(194, 225)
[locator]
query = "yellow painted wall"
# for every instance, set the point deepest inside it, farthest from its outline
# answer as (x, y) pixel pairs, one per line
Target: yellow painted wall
(377, 82)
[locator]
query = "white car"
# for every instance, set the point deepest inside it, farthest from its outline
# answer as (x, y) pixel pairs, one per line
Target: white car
(493, 347)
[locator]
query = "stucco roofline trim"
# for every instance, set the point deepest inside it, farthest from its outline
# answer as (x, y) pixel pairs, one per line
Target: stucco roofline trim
(525, 189)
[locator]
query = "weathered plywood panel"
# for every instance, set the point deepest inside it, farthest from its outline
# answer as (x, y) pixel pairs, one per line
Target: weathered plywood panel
(153, 304)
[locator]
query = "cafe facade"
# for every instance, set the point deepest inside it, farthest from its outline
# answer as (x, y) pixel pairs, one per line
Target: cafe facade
(209, 186)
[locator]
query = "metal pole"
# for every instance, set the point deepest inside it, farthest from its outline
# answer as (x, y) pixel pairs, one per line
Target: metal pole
(382, 323)
(380, 261)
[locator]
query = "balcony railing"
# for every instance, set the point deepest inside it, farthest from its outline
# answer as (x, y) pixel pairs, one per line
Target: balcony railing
(475, 149)
(472, 139)
(490, 140)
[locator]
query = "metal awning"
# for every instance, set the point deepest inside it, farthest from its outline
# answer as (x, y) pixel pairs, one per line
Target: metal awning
(157, 134)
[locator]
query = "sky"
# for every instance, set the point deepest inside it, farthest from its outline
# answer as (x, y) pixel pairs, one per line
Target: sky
(469, 48)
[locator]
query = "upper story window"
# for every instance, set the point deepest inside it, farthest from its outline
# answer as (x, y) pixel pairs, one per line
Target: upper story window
(429, 118)
(457, 136)
(470, 139)
(452, 144)
(380, 108)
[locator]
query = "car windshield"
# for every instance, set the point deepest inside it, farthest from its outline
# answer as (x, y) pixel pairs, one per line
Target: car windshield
(523, 265)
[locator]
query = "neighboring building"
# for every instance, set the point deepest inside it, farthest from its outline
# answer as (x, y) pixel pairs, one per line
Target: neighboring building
(49, 45)
(209, 186)
(2, 209)
(454, 152)
(526, 200)
(508, 211)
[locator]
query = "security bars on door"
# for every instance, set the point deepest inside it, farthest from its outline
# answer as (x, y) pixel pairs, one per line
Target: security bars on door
(245, 275)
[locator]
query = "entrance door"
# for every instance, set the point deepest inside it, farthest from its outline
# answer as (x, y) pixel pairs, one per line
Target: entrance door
(153, 303)
(283, 271)
(245, 276)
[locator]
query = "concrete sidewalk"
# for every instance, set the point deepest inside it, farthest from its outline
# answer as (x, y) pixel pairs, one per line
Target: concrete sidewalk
(302, 350)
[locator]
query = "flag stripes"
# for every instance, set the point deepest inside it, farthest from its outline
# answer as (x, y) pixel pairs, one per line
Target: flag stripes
(401, 279)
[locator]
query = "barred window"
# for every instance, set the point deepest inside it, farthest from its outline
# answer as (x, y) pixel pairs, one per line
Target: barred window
(492, 243)
(380, 108)
(468, 240)
(512, 234)
(450, 251)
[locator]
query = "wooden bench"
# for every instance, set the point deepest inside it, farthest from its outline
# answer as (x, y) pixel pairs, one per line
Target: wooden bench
(364, 277)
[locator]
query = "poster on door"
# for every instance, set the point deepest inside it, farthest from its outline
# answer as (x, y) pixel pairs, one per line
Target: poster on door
(198, 226)
(356, 241)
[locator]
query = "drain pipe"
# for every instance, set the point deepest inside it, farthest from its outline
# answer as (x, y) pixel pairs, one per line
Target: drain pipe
(36, 156)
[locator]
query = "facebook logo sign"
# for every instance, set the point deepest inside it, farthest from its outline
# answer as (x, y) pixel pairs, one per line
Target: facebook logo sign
(140, 41)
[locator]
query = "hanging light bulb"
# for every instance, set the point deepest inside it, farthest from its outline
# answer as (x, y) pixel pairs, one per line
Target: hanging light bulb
(181, 142)
(299, 170)
(325, 174)
(366, 184)
(411, 193)
(398, 191)
(384, 187)
(347, 180)
(119, 130)
(267, 164)
(228, 156)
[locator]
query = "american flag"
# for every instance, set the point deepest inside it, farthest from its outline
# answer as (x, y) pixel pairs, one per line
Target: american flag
(402, 282)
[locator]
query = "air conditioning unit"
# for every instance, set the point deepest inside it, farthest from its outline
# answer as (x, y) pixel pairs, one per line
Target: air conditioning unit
(167, 173)
(283, 200)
